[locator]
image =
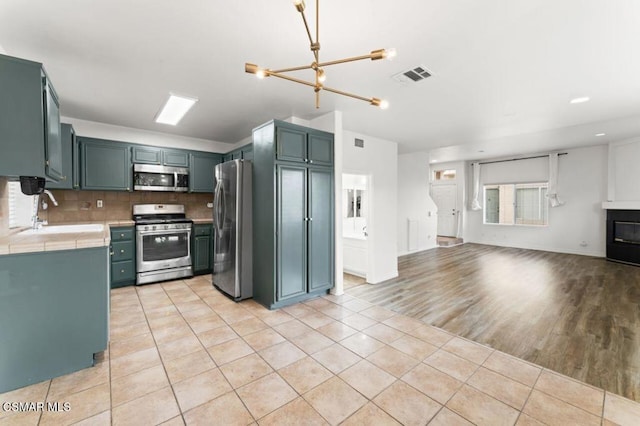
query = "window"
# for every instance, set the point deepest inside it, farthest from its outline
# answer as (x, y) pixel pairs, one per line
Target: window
(516, 204)
(20, 206)
(444, 175)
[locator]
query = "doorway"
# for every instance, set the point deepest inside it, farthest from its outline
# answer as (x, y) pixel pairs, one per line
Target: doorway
(355, 220)
(445, 197)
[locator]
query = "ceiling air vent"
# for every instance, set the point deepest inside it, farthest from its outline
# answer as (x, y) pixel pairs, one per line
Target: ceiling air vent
(414, 74)
(359, 143)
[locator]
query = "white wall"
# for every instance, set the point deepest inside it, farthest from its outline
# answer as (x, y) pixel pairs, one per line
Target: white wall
(94, 129)
(576, 227)
(2, 50)
(415, 203)
(624, 173)
(379, 160)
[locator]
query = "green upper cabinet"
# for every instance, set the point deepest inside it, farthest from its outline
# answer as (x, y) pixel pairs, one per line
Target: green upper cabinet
(291, 144)
(53, 132)
(105, 165)
(175, 158)
(161, 156)
(69, 152)
(319, 149)
(147, 154)
(303, 145)
(201, 171)
(29, 121)
(243, 153)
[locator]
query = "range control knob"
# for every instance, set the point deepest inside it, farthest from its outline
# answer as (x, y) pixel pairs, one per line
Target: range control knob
(153, 227)
(146, 228)
(166, 227)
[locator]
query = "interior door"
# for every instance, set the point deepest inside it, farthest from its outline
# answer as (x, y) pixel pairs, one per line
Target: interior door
(445, 197)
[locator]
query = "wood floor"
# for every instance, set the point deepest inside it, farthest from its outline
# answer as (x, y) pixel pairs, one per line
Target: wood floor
(577, 315)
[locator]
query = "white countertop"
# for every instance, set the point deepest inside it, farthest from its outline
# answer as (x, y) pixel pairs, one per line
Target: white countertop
(15, 242)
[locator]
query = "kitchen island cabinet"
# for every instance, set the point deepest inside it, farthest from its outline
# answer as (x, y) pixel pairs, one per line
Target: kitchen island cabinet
(53, 313)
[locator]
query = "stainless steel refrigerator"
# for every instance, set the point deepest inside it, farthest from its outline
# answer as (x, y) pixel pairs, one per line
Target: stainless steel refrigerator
(232, 225)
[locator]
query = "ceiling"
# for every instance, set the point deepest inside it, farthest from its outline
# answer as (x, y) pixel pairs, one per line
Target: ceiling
(503, 70)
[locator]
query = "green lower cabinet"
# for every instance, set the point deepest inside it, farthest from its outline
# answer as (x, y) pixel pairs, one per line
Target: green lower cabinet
(123, 256)
(202, 249)
(53, 314)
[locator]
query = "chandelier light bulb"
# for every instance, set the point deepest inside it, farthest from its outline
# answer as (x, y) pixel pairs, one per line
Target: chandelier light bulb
(390, 53)
(299, 4)
(384, 104)
(322, 77)
(260, 73)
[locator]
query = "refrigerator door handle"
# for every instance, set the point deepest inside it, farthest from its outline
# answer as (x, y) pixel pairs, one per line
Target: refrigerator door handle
(217, 205)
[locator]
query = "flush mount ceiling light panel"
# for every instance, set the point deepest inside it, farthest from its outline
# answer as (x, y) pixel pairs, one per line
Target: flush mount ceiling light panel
(174, 109)
(318, 67)
(580, 100)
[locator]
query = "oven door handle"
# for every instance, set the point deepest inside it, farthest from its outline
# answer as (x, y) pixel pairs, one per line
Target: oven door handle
(175, 180)
(165, 232)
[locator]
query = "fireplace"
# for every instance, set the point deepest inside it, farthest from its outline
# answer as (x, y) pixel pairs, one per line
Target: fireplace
(623, 236)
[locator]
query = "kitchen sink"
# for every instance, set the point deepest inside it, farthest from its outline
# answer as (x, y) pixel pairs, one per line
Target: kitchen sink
(65, 229)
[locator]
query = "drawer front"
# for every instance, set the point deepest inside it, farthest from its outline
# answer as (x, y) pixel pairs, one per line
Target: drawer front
(122, 234)
(123, 271)
(122, 250)
(201, 230)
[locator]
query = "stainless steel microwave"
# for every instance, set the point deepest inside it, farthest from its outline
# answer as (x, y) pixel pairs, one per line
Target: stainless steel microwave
(151, 177)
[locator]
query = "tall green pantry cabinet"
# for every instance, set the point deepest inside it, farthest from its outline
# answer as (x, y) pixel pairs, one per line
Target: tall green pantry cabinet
(293, 229)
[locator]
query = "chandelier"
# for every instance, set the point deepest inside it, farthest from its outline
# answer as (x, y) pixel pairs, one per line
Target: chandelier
(318, 67)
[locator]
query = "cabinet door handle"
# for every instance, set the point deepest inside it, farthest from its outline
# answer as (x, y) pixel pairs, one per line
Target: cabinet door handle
(310, 161)
(310, 219)
(121, 250)
(121, 235)
(122, 271)
(110, 253)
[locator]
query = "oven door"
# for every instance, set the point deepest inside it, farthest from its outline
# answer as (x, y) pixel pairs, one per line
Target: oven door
(162, 249)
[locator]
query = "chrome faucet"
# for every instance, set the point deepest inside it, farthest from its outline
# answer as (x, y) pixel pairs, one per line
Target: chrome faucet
(36, 223)
(53, 199)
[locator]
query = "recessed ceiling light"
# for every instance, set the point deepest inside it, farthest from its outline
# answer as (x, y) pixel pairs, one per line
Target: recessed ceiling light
(174, 109)
(481, 150)
(600, 134)
(579, 100)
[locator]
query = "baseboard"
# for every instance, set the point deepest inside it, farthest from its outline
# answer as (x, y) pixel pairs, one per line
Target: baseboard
(404, 253)
(389, 276)
(360, 274)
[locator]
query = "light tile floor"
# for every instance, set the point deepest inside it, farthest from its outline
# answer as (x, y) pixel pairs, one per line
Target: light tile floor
(181, 352)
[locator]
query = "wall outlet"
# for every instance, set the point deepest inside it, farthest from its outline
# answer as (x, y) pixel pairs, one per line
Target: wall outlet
(584, 244)
(210, 205)
(99, 204)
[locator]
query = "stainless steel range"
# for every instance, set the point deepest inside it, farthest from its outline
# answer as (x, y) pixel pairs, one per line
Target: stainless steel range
(163, 249)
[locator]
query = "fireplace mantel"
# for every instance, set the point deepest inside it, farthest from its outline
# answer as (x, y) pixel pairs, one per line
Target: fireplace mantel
(621, 205)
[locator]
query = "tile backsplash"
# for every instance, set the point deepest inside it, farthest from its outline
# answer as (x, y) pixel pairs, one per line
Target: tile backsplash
(81, 206)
